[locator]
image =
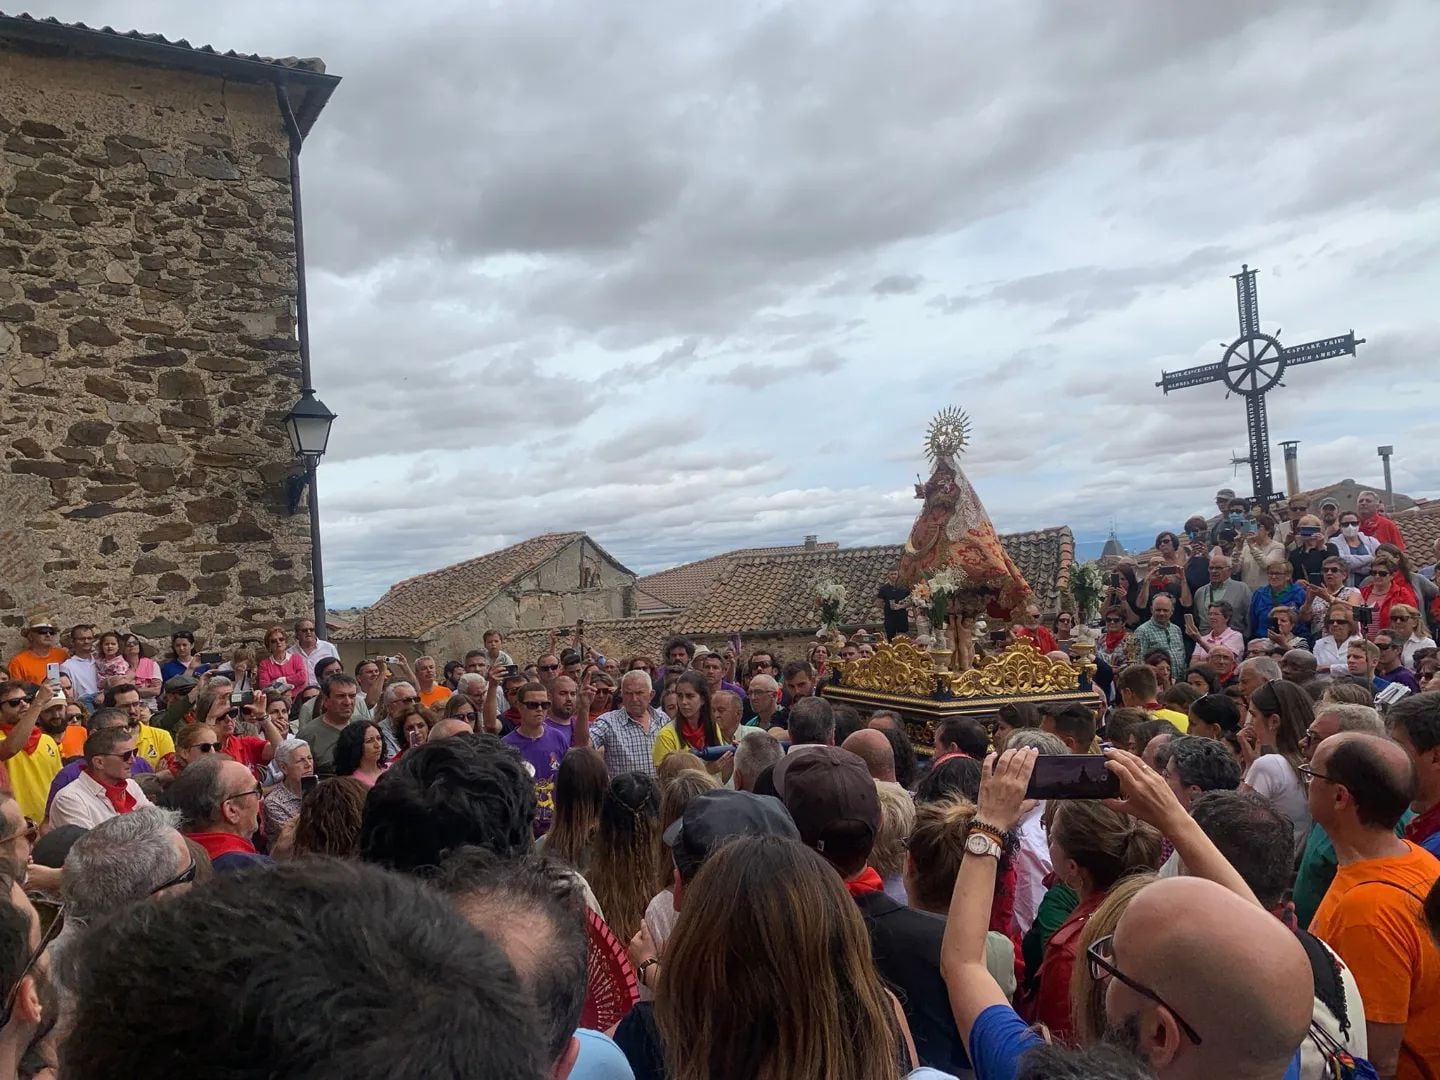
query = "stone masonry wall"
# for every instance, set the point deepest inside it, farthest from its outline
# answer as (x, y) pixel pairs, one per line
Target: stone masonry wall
(147, 352)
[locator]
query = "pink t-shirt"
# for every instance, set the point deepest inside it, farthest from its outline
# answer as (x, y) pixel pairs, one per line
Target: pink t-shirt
(291, 669)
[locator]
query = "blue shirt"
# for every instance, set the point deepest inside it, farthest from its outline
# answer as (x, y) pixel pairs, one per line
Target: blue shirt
(1000, 1038)
(599, 1058)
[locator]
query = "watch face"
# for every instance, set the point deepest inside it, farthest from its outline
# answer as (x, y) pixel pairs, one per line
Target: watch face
(980, 844)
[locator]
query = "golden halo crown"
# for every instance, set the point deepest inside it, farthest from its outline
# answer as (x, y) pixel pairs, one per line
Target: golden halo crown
(948, 434)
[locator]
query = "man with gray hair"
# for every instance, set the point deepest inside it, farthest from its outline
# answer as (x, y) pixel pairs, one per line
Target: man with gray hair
(219, 803)
(1256, 672)
(758, 751)
(764, 697)
(1318, 861)
(1224, 586)
(130, 857)
(398, 697)
(626, 736)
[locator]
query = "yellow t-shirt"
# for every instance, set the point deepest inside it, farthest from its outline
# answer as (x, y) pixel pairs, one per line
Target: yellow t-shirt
(153, 743)
(1179, 719)
(669, 740)
(31, 775)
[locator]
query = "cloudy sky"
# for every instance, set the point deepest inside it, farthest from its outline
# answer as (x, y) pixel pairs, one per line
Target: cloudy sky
(695, 276)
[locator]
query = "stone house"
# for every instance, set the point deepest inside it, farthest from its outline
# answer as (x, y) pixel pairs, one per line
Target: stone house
(525, 590)
(148, 337)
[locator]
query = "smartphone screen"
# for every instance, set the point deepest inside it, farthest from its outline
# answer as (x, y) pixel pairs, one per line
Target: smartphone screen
(309, 783)
(1072, 776)
(211, 658)
(52, 676)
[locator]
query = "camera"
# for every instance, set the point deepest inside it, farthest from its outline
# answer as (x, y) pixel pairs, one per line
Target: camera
(242, 697)
(1363, 614)
(1274, 623)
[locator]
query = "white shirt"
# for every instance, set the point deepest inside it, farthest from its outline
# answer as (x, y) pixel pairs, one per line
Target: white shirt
(1276, 780)
(322, 649)
(84, 679)
(1408, 655)
(1330, 656)
(83, 802)
(1032, 863)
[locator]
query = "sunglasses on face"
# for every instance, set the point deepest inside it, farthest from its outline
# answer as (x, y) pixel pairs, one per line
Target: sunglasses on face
(28, 830)
(549, 667)
(15, 702)
(534, 704)
(183, 878)
(1380, 573)
(128, 755)
(205, 747)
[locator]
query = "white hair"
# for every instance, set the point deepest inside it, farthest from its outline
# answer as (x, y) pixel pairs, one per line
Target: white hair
(1263, 666)
(1352, 717)
(392, 688)
(637, 676)
(119, 861)
(286, 749)
(758, 751)
(469, 679)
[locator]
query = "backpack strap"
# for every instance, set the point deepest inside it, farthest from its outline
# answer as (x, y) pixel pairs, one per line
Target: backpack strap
(1392, 884)
(1329, 986)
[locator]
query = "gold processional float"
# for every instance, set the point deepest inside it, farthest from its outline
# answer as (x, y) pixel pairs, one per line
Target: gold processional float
(961, 580)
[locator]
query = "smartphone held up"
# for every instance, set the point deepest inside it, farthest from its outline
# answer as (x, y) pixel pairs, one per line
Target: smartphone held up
(1072, 776)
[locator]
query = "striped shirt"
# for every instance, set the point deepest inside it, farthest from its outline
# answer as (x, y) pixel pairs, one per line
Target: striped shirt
(627, 746)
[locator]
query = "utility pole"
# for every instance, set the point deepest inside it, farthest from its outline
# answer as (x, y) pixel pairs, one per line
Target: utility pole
(1385, 452)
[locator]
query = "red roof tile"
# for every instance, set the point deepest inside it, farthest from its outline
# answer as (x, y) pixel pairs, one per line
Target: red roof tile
(680, 586)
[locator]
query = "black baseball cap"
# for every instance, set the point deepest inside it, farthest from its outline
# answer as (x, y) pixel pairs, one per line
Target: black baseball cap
(832, 798)
(717, 816)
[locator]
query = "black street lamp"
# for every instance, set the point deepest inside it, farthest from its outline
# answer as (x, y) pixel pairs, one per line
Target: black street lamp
(308, 425)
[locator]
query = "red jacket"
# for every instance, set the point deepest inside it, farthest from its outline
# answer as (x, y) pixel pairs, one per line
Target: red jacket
(1383, 529)
(1051, 1004)
(1041, 638)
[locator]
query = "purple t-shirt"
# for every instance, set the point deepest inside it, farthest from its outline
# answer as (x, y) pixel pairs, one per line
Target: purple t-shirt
(543, 755)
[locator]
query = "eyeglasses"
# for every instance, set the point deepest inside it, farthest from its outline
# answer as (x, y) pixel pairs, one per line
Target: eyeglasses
(205, 747)
(43, 630)
(1334, 569)
(1337, 622)
(257, 791)
(549, 667)
(1101, 957)
(1386, 645)
(183, 878)
(15, 702)
(1113, 622)
(1379, 573)
(56, 925)
(128, 755)
(305, 629)
(28, 830)
(534, 704)
(760, 663)
(1307, 773)
(464, 715)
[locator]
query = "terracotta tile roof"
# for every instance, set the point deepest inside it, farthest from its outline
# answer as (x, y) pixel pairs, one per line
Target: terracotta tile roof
(616, 638)
(1346, 492)
(680, 586)
(774, 593)
(416, 605)
(1420, 528)
(1045, 557)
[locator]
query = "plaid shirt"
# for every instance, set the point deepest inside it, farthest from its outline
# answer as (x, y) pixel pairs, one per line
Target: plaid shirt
(1150, 637)
(626, 745)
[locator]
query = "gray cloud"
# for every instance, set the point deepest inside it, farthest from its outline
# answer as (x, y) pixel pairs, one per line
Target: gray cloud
(898, 285)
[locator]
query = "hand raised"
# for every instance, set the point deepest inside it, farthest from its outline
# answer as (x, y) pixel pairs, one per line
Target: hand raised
(1003, 780)
(1144, 793)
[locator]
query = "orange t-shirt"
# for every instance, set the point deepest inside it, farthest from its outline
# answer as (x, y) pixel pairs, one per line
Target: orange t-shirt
(1379, 931)
(437, 695)
(27, 667)
(72, 741)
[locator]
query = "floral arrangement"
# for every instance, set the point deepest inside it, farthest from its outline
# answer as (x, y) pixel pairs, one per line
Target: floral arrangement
(939, 588)
(830, 599)
(1087, 585)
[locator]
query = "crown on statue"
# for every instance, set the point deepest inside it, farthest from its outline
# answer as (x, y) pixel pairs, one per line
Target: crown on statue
(948, 435)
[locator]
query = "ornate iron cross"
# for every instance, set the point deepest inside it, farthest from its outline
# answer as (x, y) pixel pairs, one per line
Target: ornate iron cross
(1252, 365)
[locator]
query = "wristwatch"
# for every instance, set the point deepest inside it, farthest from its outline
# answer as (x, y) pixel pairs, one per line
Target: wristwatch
(645, 967)
(979, 843)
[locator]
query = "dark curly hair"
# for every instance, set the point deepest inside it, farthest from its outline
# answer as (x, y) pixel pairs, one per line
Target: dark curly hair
(350, 748)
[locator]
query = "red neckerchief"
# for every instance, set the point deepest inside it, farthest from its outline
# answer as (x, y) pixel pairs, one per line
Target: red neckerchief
(221, 843)
(34, 740)
(867, 881)
(1152, 706)
(118, 794)
(1422, 826)
(694, 736)
(1113, 638)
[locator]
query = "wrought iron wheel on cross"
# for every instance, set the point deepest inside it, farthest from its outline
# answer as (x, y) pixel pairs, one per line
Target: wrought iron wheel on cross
(1253, 364)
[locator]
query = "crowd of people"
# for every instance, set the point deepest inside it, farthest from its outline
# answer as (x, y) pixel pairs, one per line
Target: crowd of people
(698, 865)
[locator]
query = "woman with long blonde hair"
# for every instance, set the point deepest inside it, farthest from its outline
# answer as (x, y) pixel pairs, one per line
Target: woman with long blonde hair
(580, 786)
(768, 975)
(1087, 994)
(626, 852)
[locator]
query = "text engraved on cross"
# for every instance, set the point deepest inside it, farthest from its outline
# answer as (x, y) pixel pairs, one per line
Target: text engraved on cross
(1253, 364)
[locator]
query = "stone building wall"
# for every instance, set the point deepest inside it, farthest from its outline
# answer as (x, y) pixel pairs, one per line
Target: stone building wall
(147, 351)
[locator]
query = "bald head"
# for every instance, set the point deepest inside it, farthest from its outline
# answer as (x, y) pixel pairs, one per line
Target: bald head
(448, 727)
(1361, 782)
(1229, 968)
(872, 747)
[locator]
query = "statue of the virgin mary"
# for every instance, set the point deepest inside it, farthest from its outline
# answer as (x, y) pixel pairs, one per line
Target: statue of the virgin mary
(953, 531)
